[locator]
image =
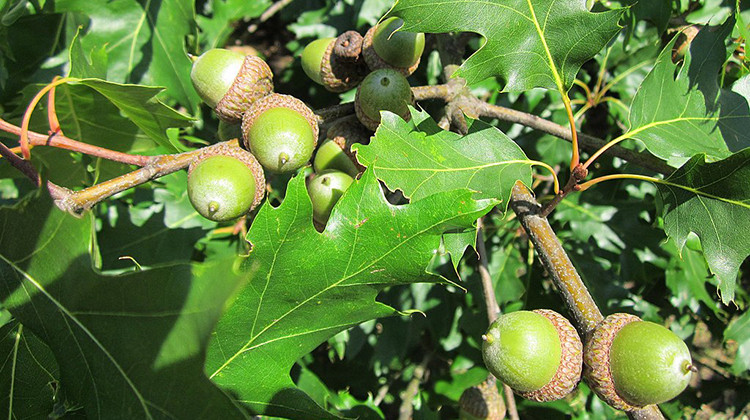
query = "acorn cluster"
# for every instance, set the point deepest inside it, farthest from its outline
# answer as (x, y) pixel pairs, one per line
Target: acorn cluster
(377, 64)
(279, 133)
(628, 362)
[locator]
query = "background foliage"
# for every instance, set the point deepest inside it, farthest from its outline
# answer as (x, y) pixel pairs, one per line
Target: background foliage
(143, 309)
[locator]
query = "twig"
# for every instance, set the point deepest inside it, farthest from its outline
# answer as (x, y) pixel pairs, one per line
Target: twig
(25, 167)
(77, 202)
(493, 308)
(62, 142)
(586, 314)
(406, 409)
(275, 8)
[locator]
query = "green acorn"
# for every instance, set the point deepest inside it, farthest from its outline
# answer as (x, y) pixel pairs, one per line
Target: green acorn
(335, 63)
(386, 47)
(229, 83)
(336, 151)
(382, 90)
(325, 190)
(538, 354)
(225, 182)
(281, 131)
(631, 363)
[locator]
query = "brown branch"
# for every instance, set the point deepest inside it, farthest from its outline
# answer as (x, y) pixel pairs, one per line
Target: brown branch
(25, 167)
(268, 14)
(586, 315)
(493, 309)
(406, 409)
(77, 202)
(62, 142)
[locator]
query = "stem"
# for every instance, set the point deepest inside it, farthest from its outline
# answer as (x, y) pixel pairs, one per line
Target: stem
(590, 183)
(62, 142)
(604, 149)
(586, 315)
(576, 158)
(493, 308)
(275, 8)
(25, 167)
(54, 123)
(29, 110)
(406, 410)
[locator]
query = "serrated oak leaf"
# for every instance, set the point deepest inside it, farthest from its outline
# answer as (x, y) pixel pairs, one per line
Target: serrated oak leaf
(529, 43)
(304, 286)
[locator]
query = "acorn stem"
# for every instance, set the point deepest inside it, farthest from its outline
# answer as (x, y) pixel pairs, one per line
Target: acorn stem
(586, 314)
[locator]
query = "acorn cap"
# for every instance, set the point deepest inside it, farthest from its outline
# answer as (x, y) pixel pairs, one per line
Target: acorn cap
(341, 72)
(280, 100)
(253, 81)
(482, 401)
(233, 149)
(374, 61)
(596, 359)
(571, 361)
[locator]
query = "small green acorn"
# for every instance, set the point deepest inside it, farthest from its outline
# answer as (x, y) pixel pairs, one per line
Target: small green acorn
(482, 402)
(325, 190)
(382, 90)
(384, 46)
(335, 63)
(631, 363)
(537, 353)
(336, 151)
(281, 131)
(229, 82)
(225, 182)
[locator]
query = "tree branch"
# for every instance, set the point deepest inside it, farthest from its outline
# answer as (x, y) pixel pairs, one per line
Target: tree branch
(586, 314)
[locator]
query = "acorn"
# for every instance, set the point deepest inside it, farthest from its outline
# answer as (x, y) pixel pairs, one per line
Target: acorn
(281, 131)
(385, 46)
(631, 363)
(225, 182)
(229, 82)
(335, 63)
(537, 353)
(382, 90)
(325, 190)
(336, 151)
(482, 402)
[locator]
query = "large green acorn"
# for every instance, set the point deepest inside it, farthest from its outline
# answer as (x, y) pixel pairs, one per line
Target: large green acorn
(229, 82)
(382, 90)
(335, 63)
(225, 182)
(325, 190)
(631, 363)
(384, 46)
(281, 131)
(537, 353)
(482, 402)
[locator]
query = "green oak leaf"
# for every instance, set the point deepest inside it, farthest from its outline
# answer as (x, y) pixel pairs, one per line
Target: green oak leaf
(144, 41)
(421, 159)
(29, 375)
(129, 346)
(530, 43)
(215, 30)
(303, 286)
(128, 118)
(679, 116)
(713, 201)
(739, 331)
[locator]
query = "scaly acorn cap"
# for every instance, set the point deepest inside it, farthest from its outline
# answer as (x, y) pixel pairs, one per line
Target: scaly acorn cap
(482, 402)
(373, 60)
(571, 361)
(253, 81)
(342, 66)
(234, 150)
(596, 359)
(275, 100)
